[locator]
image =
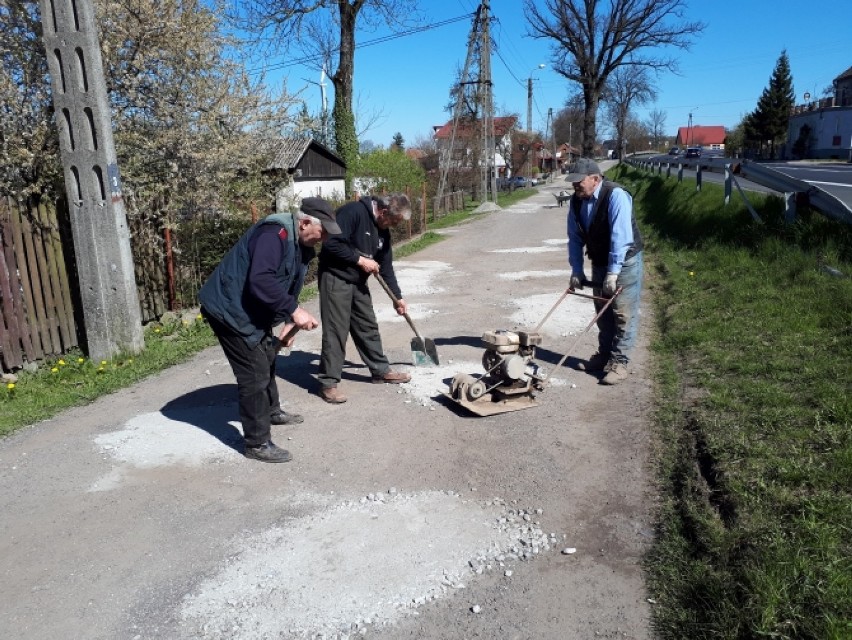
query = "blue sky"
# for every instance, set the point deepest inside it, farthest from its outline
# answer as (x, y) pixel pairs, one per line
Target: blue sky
(403, 84)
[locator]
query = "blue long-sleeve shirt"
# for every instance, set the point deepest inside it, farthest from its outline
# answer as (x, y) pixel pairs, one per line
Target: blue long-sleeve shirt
(620, 224)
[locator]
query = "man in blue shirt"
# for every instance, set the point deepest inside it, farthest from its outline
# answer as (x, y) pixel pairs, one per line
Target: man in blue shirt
(255, 288)
(600, 219)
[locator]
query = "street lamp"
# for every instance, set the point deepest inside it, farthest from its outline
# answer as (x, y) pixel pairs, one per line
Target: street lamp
(529, 96)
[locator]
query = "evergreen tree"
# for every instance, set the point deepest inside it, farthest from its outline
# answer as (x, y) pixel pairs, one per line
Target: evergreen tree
(768, 122)
(398, 143)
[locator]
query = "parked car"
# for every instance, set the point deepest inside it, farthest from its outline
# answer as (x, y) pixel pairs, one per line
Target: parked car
(693, 152)
(674, 151)
(520, 182)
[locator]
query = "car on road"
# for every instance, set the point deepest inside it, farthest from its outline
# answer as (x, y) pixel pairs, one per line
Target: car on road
(693, 152)
(674, 151)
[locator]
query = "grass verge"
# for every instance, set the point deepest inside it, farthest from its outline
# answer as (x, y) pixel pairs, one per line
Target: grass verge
(754, 451)
(75, 380)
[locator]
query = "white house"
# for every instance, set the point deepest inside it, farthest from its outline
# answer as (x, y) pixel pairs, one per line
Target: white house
(823, 128)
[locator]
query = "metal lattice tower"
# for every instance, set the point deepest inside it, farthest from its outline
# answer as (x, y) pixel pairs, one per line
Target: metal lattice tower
(477, 65)
(98, 221)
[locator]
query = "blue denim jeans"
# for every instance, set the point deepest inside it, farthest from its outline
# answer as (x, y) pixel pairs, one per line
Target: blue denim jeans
(619, 326)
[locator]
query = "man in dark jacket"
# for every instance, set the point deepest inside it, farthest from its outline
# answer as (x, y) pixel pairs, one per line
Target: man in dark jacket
(600, 218)
(255, 288)
(345, 262)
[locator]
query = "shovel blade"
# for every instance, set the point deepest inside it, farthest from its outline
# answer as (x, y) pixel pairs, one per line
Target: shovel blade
(423, 352)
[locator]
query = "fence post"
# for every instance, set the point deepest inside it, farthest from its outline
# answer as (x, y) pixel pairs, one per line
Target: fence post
(728, 174)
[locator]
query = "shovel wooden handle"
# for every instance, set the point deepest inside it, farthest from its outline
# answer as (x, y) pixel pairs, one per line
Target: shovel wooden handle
(285, 338)
(396, 302)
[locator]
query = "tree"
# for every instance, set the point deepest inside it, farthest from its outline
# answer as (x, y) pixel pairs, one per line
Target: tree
(186, 119)
(29, 143)
(625, 88)
(568, 123)
(590, 44)
(656, 125)
(312, 26)
(392, 170)
(398, 143)
(768, 122)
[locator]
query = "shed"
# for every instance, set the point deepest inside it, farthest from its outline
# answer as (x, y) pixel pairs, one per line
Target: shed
(307, 168)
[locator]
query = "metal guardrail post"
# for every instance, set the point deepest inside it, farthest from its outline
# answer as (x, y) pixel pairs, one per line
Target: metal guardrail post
(680, 172)
(698, 176)
(728, 174)
(789, 207)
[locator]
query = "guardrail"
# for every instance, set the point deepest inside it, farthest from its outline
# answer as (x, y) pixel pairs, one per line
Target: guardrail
(794, 190)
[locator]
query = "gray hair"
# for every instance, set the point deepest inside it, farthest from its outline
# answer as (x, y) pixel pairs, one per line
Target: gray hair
(397, 204)
(301, 215)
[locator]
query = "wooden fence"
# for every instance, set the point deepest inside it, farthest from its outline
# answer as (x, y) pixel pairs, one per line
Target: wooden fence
(37, 319)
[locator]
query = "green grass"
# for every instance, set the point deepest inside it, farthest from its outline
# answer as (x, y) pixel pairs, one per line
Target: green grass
(75, 380)
(754, 446)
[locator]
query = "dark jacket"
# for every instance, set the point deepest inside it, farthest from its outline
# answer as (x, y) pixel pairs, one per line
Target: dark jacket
(359, 236)
(597, 237)
(228, 296)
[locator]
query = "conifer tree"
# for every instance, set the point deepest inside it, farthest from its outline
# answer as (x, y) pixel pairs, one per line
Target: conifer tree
(768, 122)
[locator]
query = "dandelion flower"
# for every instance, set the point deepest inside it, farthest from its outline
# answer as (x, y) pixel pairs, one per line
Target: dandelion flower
(10, 386)
(103, 362)
(62, 363)
(691, 273)
(81, 360)
(54, 370)
(198, 317)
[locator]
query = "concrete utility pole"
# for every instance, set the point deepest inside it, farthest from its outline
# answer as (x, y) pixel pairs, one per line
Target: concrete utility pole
(98, 222)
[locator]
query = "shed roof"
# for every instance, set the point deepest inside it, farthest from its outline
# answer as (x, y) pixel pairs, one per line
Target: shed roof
(287, 152)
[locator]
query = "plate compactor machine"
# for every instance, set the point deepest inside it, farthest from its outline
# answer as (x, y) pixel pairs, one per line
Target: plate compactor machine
(512, 377)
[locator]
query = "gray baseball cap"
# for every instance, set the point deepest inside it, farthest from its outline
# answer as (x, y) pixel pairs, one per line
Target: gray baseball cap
(582, 168)
(322, 211)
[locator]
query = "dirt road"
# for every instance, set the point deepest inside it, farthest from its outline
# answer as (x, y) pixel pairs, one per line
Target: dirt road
(399, 517)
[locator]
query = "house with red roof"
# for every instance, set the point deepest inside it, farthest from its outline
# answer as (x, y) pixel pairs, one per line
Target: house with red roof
(712, 137)
(467, 138)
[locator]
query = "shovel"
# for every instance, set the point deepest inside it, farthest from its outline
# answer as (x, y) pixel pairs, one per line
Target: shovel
(423, 351)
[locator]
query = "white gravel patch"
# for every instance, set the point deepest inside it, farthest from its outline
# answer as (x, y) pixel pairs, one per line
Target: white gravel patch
(528, 275)
(428, 383)
(527, 250)
(416, 278)
(416, 311)
(154, 440)
(359, 564)
(569, 318)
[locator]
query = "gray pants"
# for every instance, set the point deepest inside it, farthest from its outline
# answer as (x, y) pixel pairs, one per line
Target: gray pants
(347, 308)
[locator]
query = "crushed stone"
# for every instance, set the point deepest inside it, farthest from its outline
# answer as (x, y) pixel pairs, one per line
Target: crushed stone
(357, 564)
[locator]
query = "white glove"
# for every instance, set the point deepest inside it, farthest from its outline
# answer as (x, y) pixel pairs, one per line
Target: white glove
(576, 281)
(610, 284)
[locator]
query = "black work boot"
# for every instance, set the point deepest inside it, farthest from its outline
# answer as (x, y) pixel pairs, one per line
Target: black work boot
(268, 452)
(279, 416)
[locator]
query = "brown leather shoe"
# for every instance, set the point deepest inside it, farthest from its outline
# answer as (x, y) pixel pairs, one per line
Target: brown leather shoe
(391, 377)
(596, 363)
(332, 395)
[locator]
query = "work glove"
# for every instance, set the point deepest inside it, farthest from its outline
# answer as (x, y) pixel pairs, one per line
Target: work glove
(610, 284)
(577, 281)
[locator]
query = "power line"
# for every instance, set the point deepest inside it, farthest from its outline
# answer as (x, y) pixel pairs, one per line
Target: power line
(368, 43)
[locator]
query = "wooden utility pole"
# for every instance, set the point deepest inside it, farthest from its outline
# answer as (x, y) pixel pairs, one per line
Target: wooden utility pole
(98, 221)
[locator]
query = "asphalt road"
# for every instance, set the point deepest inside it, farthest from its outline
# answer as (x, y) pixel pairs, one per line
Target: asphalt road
(833, 177)
(400, 516)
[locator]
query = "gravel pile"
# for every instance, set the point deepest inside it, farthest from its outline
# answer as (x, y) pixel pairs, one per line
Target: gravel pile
(361, 564)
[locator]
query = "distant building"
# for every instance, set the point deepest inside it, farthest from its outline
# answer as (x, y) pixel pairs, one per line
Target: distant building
(467, 138)
(822, 128)
(306, 168)
(712, 137)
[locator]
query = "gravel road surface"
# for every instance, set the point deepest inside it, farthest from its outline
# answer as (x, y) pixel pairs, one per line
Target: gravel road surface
(401, 515)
